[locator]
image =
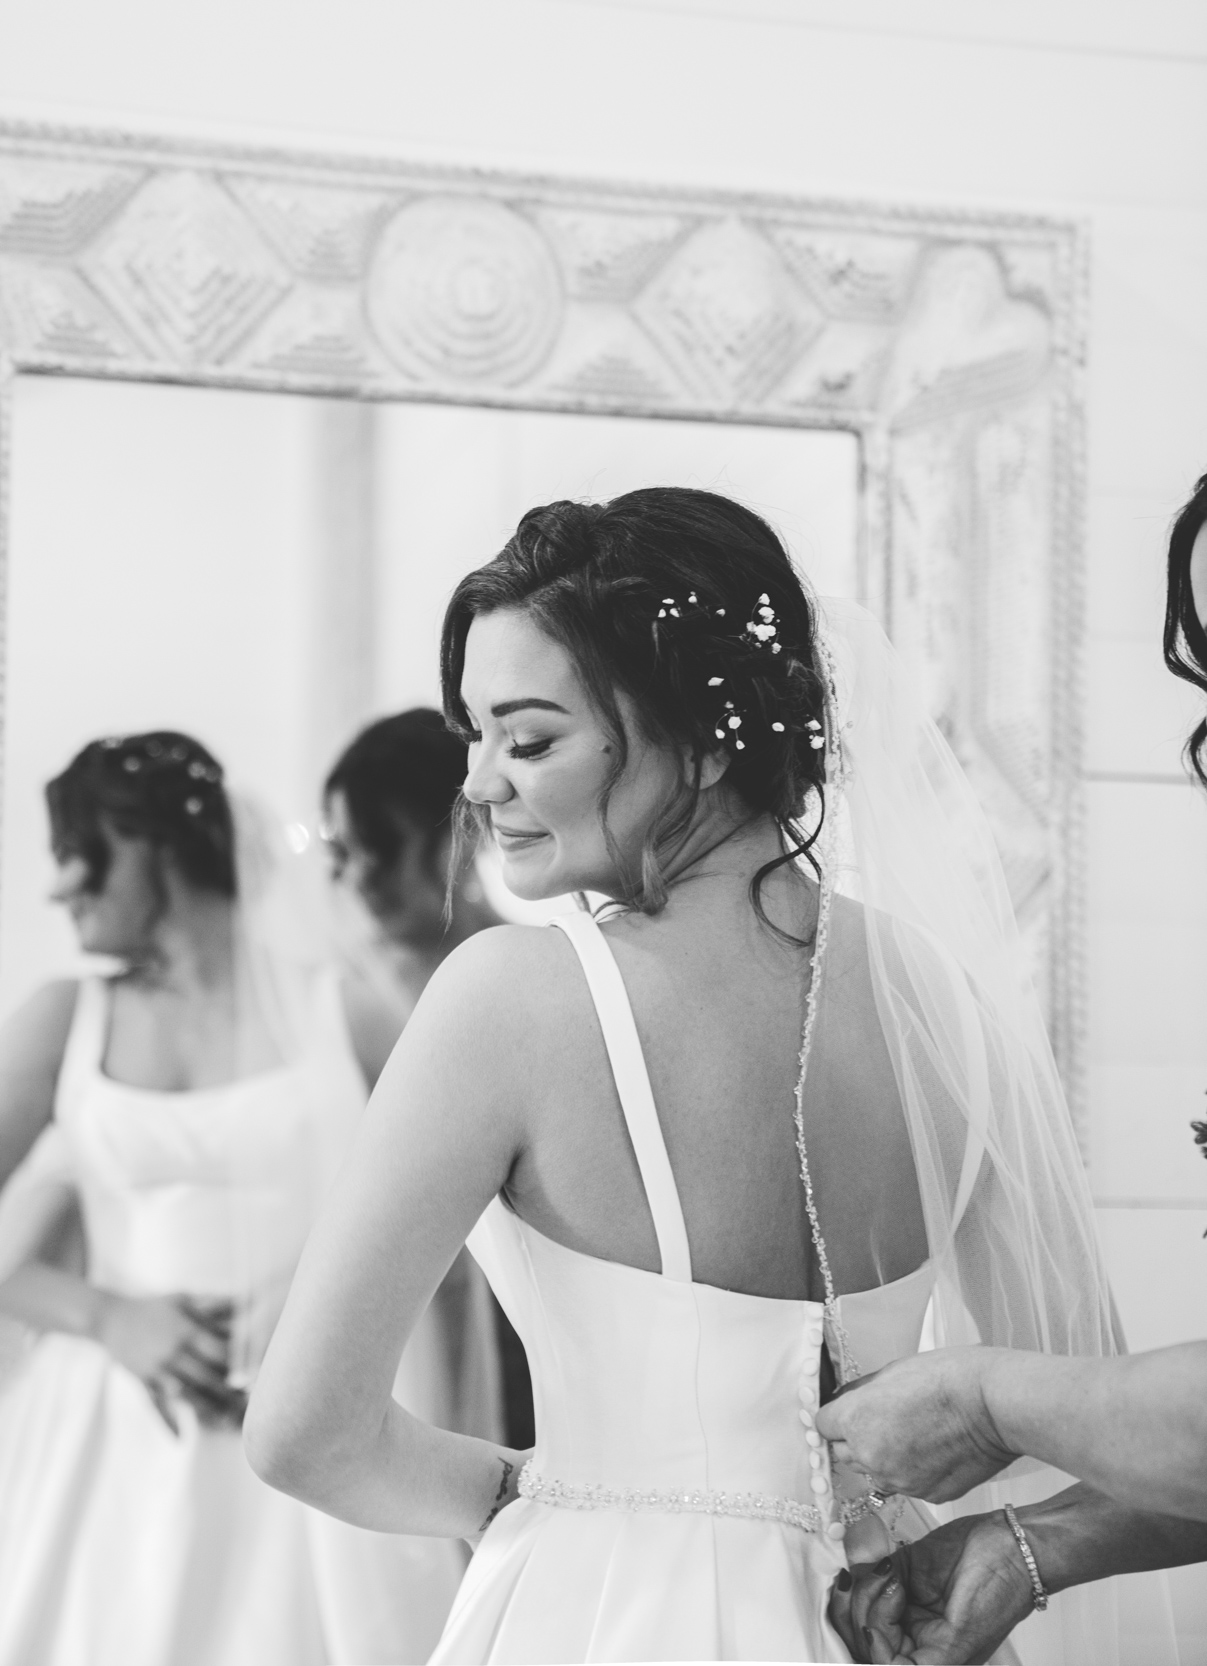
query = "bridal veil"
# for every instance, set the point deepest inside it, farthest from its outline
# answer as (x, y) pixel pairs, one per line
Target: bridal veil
(1005, 1196)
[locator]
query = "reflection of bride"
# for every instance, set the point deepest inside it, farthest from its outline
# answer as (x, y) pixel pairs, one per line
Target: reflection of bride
(716, 1151)
(198, 1104)
(388, 805)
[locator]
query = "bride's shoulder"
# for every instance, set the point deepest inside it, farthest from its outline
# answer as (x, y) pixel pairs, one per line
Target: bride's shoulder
(515, 973)
(854, 926)
(33, 1045)
(502, 949)
(43, 1020)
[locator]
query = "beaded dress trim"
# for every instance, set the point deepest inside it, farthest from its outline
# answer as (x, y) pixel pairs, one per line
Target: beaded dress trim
(747, 1506)
(848, 1367)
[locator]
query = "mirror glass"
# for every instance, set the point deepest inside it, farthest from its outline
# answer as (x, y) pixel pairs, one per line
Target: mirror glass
(268, 572)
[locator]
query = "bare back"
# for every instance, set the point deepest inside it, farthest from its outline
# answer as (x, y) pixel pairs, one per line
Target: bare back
(718, 1002)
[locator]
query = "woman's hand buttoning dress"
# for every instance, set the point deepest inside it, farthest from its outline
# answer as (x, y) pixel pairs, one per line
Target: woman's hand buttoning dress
(718, 1146)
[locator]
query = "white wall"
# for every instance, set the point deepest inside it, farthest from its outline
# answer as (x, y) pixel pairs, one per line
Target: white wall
(161, 577)
(1068, 106)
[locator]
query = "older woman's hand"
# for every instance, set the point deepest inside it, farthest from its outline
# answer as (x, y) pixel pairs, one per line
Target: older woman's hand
(921, 1425)
(949, 1599)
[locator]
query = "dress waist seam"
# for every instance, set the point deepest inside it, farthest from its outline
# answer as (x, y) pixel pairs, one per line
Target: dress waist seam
(745, 1506)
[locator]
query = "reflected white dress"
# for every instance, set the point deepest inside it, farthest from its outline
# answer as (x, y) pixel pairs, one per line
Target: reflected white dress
(120, 1544)
(678, 1505)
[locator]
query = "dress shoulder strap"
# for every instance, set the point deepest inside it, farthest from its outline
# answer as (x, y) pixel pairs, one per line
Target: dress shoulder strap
(85, 1049)
(633, 1087)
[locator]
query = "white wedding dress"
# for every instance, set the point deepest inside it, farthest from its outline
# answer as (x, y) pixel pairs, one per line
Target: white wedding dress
(678, 1504)
(121, 1544)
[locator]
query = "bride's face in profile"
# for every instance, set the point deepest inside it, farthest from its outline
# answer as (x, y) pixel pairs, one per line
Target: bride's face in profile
(540, 758)
(118, 917)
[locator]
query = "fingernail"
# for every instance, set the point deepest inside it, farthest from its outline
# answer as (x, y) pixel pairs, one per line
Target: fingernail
(885, 1565)
(867, 1636)
(844, 1580)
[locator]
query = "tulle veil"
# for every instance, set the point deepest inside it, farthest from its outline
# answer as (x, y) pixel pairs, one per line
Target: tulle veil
(282, 942)
(283, 945)
(1005, 1196)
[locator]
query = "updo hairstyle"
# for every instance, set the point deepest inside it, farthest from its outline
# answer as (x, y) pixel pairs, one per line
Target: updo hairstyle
(162, 786)
(400, 778)
(688, 603)
(1185, 637)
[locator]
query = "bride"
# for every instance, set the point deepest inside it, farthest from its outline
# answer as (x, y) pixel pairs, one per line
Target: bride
(717, 1149)
(195, 1104)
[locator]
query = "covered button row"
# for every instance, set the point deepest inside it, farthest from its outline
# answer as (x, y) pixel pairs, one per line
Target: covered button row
(811, 1363)
(810, 1366)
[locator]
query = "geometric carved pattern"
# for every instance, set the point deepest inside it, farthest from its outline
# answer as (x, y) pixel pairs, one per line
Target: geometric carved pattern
(54, 209)
(605, 358)
(186, 270)
(465, 291)
(1031, 272)
(949, 342)
(965, 343)
(324, 235)
(842, 371)
(608, 257)
(54, 314)
(315, 333)
(727, 311)
(857, 278)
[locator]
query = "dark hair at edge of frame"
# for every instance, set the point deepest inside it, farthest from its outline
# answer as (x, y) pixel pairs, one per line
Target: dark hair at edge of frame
(1185, 644)
(162, 786)
(1185, 639)
(400, 769)
(593, 577)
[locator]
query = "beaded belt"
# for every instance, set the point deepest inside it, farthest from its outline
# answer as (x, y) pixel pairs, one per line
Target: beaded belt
(749, 1506)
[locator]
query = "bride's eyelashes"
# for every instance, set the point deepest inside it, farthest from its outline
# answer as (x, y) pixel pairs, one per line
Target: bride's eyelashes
(517, 749)
(529, 749)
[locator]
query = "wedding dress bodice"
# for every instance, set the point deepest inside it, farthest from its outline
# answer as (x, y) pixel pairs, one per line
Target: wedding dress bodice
(212, 1191)
(647, 1381)
(678, 1504)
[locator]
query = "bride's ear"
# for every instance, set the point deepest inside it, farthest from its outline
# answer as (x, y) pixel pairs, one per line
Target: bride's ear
(713, 766)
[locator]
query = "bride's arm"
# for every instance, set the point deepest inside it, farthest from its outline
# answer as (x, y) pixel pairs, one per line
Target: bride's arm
(440, 1138)
(39, 1209)
(39, 1286)
(33, 1040)
(36, 1190)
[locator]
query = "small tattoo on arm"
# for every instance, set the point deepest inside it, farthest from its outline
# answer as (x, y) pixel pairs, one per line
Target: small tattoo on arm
(500, 1496)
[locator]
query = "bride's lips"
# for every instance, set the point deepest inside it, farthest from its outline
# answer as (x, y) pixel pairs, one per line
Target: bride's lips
(516, 837)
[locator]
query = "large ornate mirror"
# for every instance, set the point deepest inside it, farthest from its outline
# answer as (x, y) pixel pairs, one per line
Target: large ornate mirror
(378, 368)
(267, 571)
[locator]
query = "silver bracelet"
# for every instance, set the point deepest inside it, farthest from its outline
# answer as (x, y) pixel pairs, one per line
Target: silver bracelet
(1039, 1597)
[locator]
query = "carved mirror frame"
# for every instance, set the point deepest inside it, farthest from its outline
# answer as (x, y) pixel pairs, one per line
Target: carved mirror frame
(950, 342)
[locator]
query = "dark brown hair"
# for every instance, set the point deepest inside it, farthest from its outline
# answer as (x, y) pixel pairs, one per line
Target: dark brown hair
(162, 786)
(688, 603)
(1185, 637)
(401, 777)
